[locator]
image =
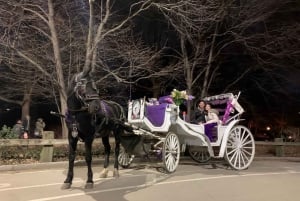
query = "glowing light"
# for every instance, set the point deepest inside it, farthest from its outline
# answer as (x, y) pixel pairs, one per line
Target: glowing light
(268, 128)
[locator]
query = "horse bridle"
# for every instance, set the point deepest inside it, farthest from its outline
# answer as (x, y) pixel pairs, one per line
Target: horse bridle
(80, 90)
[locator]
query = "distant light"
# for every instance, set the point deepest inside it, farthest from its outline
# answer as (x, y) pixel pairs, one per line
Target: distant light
(7, 109)
(268, 128)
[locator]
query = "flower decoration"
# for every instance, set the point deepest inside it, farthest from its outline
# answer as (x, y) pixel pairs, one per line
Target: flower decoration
(180, 96)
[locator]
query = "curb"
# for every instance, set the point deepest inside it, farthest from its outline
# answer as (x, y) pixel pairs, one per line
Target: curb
(46, 165)
(274, 158)
(64, 164)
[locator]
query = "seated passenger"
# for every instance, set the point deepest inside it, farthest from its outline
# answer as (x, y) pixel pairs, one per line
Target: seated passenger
(212, 120)
(200, 113)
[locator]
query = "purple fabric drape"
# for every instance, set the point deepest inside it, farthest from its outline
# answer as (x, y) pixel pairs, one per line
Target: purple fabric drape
(156, 114)
(227, 112)
(208, 130)
(165, 99)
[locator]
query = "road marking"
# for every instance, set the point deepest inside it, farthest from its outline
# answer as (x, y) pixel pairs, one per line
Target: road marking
(35, 186)
(156, 184)
(4, 185)
(76, 180)
(31, 172)
(226, 176)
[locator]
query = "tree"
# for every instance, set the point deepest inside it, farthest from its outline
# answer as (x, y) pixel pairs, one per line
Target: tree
(212, 32)
(31, 38)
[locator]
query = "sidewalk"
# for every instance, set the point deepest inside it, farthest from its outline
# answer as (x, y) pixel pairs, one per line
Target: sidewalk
(64, 164)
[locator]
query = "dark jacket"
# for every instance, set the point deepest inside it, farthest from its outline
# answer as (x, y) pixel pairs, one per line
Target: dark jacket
(198, 116)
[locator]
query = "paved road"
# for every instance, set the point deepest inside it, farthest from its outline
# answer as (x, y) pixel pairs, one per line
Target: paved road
(265, 180)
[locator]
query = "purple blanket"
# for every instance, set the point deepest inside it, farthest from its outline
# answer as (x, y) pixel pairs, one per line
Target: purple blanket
(156, 114)
(208, 130)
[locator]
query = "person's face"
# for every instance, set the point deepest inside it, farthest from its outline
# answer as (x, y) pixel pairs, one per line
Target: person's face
(207, 107)
(201, 105)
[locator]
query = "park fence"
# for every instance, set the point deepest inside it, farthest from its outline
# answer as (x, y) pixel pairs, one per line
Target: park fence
(49, 149)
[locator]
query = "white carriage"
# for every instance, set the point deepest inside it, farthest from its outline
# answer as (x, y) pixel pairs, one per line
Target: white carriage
(164, 133)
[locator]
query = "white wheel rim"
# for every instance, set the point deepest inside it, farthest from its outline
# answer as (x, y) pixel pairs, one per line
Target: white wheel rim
(171, 152)
(124, 159)
(240, 148)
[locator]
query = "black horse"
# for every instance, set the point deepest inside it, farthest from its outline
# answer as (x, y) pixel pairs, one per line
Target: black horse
(88, 116)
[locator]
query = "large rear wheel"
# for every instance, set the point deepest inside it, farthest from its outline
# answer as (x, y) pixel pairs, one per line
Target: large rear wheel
(240, 148)
(171, 152)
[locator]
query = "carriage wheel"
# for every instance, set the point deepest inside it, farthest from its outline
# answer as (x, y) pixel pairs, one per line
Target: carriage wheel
(125, 159)
(200, 155)
(240, 148)
(171, 152)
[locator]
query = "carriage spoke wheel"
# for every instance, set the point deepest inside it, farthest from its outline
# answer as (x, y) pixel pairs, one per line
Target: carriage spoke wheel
(124, 158)
(171, 152)
(199, 155)
(240, 148)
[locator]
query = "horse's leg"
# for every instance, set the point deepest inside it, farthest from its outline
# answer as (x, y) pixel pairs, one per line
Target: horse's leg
(107, 148)
(88, 160)
(117, 152)
(72, 154)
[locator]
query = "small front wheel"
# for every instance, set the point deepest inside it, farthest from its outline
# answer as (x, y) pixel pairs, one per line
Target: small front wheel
(240, 148)
(171, 152)
(124, 159)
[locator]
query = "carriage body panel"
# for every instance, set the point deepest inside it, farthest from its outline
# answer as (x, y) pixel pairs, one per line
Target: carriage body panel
(142, 119)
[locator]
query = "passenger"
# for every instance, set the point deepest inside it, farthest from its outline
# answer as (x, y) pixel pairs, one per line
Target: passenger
(212, 120)
(199, 114)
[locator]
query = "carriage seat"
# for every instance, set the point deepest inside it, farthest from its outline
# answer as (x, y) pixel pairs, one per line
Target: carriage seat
(156, 114)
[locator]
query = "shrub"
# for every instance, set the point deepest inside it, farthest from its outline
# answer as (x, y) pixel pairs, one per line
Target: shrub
(7, 133)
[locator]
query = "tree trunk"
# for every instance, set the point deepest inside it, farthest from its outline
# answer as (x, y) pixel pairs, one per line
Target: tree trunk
(209, 62)
(58, 65)
(155, 87)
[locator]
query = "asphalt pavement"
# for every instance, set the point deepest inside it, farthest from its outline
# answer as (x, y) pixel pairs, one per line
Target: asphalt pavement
(268, 178)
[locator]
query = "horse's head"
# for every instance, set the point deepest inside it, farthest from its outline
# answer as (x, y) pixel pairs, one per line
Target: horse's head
(84, 88)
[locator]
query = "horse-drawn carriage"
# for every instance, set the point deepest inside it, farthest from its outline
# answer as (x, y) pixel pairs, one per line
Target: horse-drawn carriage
(160, 130)
(153, 129)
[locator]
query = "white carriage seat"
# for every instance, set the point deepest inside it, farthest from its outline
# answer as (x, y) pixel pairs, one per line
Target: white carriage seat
(156, 114)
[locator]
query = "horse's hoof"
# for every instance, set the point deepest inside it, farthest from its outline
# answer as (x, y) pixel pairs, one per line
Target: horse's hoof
(104, 173)
(116, 173)
(66, 186)
(89, 185)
